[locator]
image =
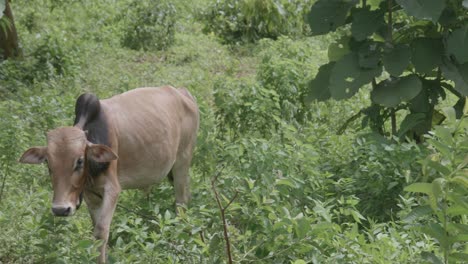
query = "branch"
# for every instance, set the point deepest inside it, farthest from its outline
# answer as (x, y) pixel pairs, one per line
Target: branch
(390, 22)
(343, 127)
(223, 216)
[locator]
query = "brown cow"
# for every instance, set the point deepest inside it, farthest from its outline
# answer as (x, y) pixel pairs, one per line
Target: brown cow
(131, 140)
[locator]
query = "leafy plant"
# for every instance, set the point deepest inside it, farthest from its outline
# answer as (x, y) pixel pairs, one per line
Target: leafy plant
(444, 188)
(410, 53)
(150, 25)
(250, 20)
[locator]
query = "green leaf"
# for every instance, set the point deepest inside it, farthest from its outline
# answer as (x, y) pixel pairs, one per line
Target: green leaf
(397, 59)
(462, 227)
(461, 180)
(426, 54)
(431, 257)
(438, 187)
(457, 43)
(318, 87)
(302, 227)
(417, 213)
(299, 261)
(438, 167)
(420, 187)
(436, 231)
(357, 216)
(423, 9)
(338, 49)
(411, 121)
(369, 54)
(286, 181)
(320, 210)
(459, 238)
(456, 210)
(390, 93)
(85, 243)
(366, 22)
(444, 133)
(347, 77)
(442, 148)
(328, 15)
(458, 74)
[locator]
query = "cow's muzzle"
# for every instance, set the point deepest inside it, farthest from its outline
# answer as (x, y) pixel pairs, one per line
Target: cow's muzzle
(61, 210)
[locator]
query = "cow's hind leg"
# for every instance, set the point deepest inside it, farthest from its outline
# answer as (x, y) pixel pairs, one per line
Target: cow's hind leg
(181, 179)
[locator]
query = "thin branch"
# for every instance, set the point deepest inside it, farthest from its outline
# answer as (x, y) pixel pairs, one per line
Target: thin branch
(343, 127)
(390, 22)
(393, 120)
(223, 209)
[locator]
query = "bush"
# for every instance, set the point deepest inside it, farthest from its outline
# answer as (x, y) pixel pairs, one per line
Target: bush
(285, 68)
(150, 25)
(245, 107)
(377, 172)
(250, 20)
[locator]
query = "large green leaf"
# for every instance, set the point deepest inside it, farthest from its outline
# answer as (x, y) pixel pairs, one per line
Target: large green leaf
(411, 121)
(328, 15)
(318, 87)
(417, 213)
(436, 231)
(420, 187)
(369, 54)
(457, 43)
(390, 93)
(347, 77)
(397, 59)
(426, 54)
(338, 49)
(423, 9)
(458, 74)
(366, 22)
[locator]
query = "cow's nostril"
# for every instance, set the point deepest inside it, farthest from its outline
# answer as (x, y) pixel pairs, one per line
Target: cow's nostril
(61, 211)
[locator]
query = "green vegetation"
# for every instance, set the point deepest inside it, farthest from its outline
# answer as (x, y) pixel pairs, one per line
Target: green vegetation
(299, 180)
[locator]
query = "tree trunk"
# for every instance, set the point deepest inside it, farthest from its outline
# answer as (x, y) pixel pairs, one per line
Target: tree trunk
(9, 38)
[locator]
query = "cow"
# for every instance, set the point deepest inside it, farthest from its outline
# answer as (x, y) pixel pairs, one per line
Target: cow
(129, 141)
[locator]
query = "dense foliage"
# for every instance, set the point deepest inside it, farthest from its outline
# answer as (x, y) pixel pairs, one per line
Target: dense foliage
(411, 53)
(305, 190)
(150, 25)
(250, 20)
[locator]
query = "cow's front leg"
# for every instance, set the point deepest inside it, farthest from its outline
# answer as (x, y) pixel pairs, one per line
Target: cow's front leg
(102, 216)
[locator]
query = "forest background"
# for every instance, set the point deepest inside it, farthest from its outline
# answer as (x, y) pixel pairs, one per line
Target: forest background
(333, 131)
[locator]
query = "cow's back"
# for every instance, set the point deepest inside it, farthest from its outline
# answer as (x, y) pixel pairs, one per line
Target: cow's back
(150, 128)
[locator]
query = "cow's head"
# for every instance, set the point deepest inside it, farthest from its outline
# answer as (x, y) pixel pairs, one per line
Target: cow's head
(67, 154)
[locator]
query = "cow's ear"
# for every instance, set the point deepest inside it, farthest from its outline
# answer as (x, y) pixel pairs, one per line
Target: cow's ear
(35, 155)
(100, 153)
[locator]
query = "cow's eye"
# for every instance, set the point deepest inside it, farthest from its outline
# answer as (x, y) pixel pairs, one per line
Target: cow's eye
(79, 163)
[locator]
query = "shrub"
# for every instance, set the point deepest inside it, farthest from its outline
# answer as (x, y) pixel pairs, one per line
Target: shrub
(245, 107)
(377, 172)
(250, 20)
(150, 25)
(285, 68)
